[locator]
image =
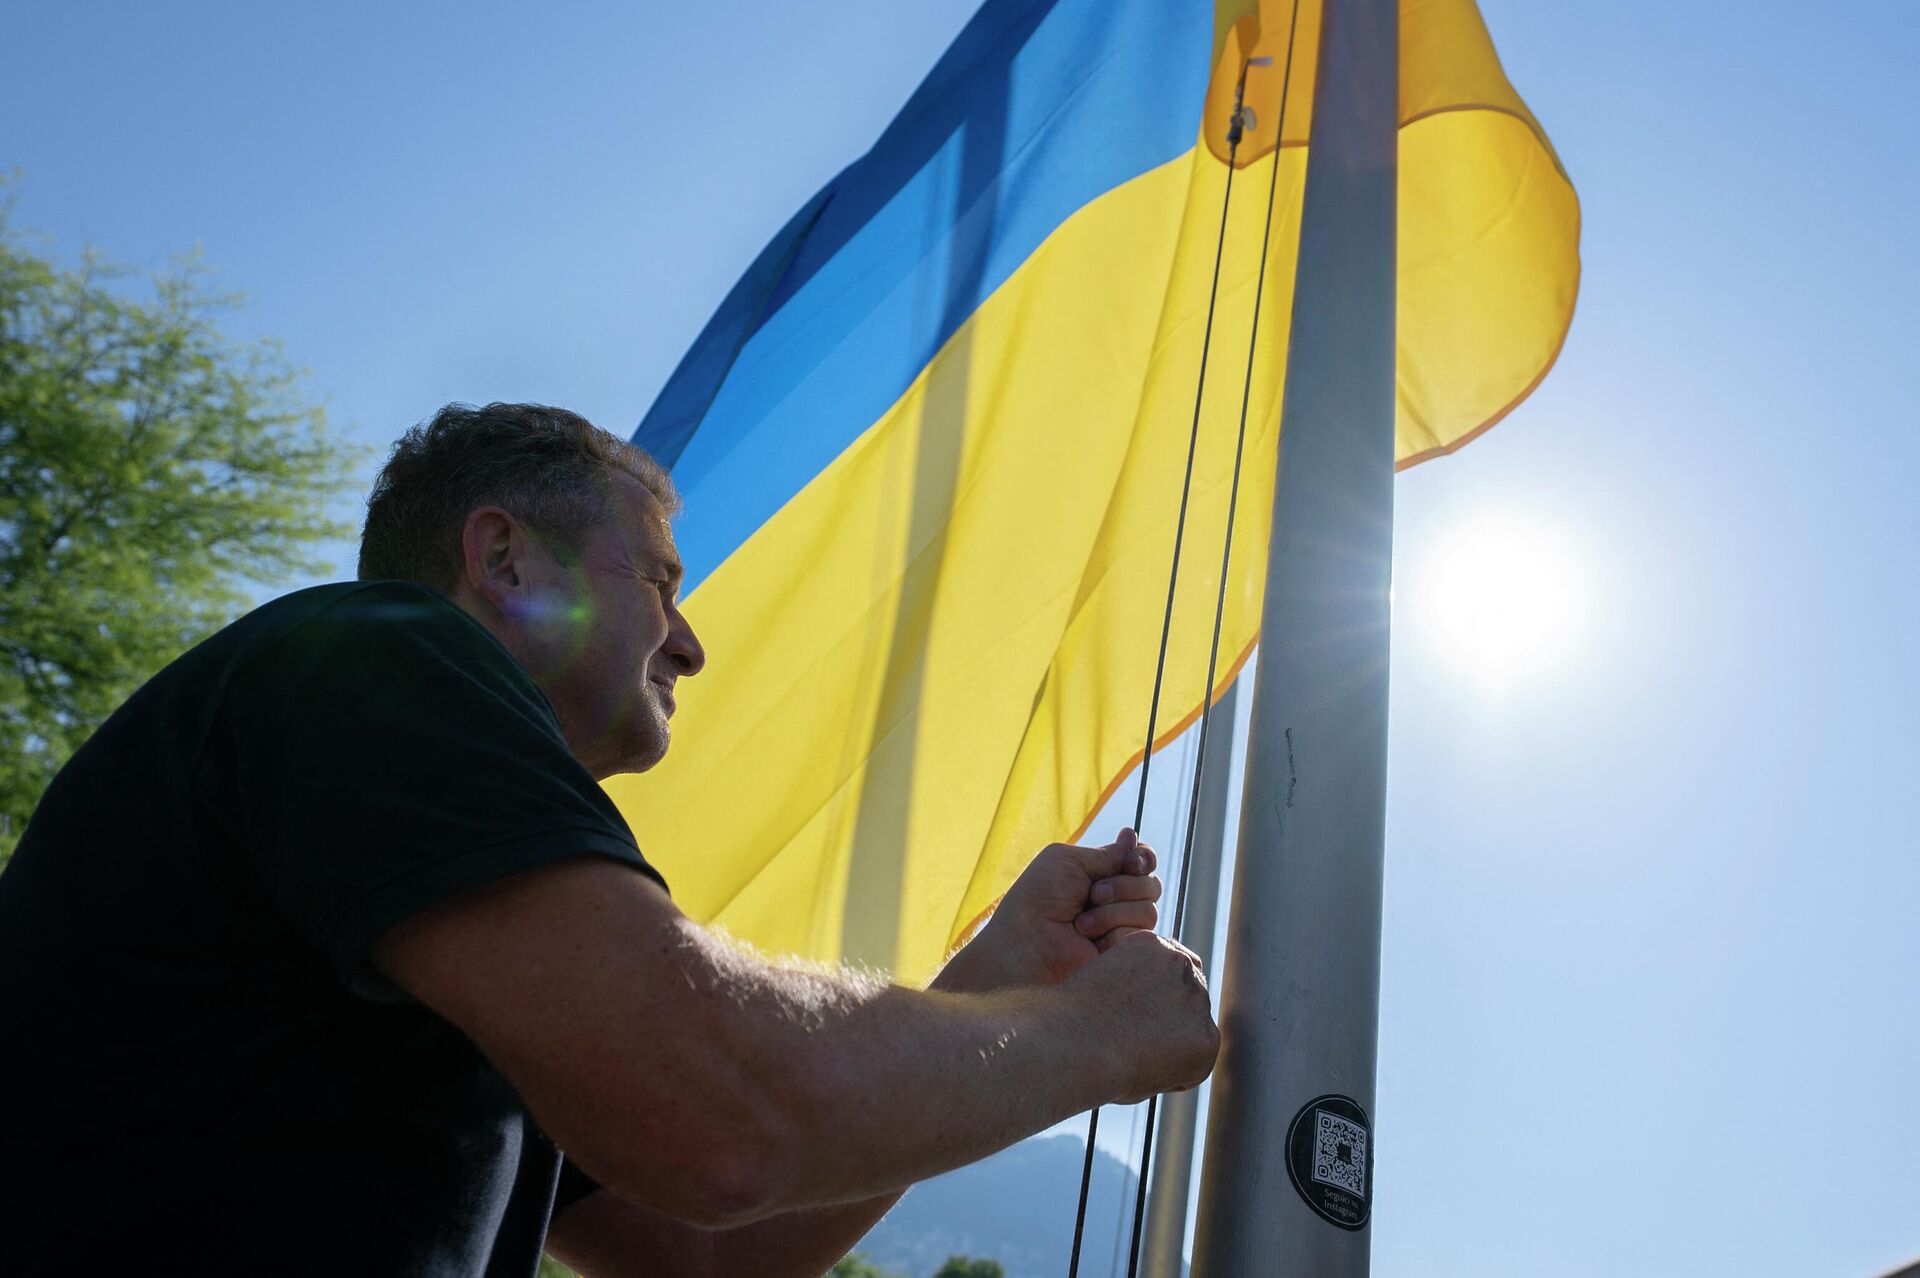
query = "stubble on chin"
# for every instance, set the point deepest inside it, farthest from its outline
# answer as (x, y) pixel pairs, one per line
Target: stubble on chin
(651, 734)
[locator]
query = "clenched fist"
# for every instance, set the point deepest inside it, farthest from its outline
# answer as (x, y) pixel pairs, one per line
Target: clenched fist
(1145, 1001)
(1070, 904)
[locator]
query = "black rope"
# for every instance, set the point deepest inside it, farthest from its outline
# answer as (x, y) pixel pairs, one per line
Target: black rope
(1120, 1217)
(1189, 776)
(1219, 611)
(1166, 626)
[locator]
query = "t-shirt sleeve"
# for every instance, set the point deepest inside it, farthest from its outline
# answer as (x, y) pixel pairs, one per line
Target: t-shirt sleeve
(574, 1185)
(388, 753)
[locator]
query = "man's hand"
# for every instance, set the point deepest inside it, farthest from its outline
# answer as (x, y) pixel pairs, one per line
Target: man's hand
(1148, 999)
(1070, 904)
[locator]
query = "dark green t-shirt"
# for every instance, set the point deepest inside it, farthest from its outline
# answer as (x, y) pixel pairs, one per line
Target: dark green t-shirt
(198, 1071)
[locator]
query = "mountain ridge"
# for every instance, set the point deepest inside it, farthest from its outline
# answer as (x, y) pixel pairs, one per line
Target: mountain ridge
(1017, 1208)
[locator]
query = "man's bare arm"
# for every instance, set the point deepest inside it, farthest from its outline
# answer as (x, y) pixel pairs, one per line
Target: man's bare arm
(700, 1082)
(605, 1236)
(1070, 904)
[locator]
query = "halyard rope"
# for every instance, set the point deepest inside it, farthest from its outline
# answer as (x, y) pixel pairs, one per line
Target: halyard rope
(1219, 613)
(1173, 575)
(1166, 622)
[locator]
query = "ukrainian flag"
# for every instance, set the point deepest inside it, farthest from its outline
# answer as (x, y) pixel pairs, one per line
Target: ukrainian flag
(931, 444)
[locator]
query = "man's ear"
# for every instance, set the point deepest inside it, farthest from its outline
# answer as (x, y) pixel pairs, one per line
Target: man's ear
(496, 547)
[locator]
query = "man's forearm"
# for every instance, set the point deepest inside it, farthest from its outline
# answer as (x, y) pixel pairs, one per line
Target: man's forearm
(606, 1237)
(806, 1243)
(880, 1086)
(799, 1244)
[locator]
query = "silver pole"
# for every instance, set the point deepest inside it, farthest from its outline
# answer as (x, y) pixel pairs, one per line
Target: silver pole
(1166, 1227)
(1287, 1184)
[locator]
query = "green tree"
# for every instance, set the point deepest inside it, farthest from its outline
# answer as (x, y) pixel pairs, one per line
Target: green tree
(858, 1266)
(153, 475)
(967, 1267)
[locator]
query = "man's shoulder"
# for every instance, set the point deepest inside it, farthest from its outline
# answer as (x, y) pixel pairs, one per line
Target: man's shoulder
(364, 603)
(355, 646)
(339, 618)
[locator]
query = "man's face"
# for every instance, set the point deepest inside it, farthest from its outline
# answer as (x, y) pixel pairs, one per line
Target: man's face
(605, 638)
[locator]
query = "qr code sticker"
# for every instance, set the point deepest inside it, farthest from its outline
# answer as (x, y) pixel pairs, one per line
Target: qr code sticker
(1340, 1153)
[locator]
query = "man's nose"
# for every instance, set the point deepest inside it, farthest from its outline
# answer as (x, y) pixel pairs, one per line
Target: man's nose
(683, 646)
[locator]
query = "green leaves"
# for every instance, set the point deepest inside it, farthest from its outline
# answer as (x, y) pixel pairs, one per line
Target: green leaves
(857, 1266)
(966, 1267)
(153, 474)
(852, 1266)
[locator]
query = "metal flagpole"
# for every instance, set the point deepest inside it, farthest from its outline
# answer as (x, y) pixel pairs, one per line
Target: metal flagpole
(1287, 1181)
(1166, 1228)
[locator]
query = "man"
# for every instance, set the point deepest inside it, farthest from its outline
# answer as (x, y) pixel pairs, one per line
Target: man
(327, 943)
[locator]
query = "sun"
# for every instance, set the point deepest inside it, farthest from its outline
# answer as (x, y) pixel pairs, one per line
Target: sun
(1504, 598)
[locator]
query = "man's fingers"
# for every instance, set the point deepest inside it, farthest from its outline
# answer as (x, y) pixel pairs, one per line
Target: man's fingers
(1127, 887)
(1107, 942)
(1129, 916)
(1136, 857)
(1125, 855)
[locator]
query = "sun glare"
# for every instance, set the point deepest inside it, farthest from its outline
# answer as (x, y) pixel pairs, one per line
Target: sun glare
(1504, 598)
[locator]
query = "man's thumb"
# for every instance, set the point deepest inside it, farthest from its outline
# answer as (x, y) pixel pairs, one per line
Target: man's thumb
(1110, 859)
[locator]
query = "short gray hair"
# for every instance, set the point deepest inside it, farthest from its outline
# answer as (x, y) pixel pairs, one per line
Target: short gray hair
(547, 466)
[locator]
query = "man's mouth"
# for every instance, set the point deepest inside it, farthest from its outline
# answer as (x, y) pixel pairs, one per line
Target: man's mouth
(666, 693)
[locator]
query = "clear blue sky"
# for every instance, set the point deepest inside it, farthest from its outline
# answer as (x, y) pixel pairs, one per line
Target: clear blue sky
(1651, 957)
